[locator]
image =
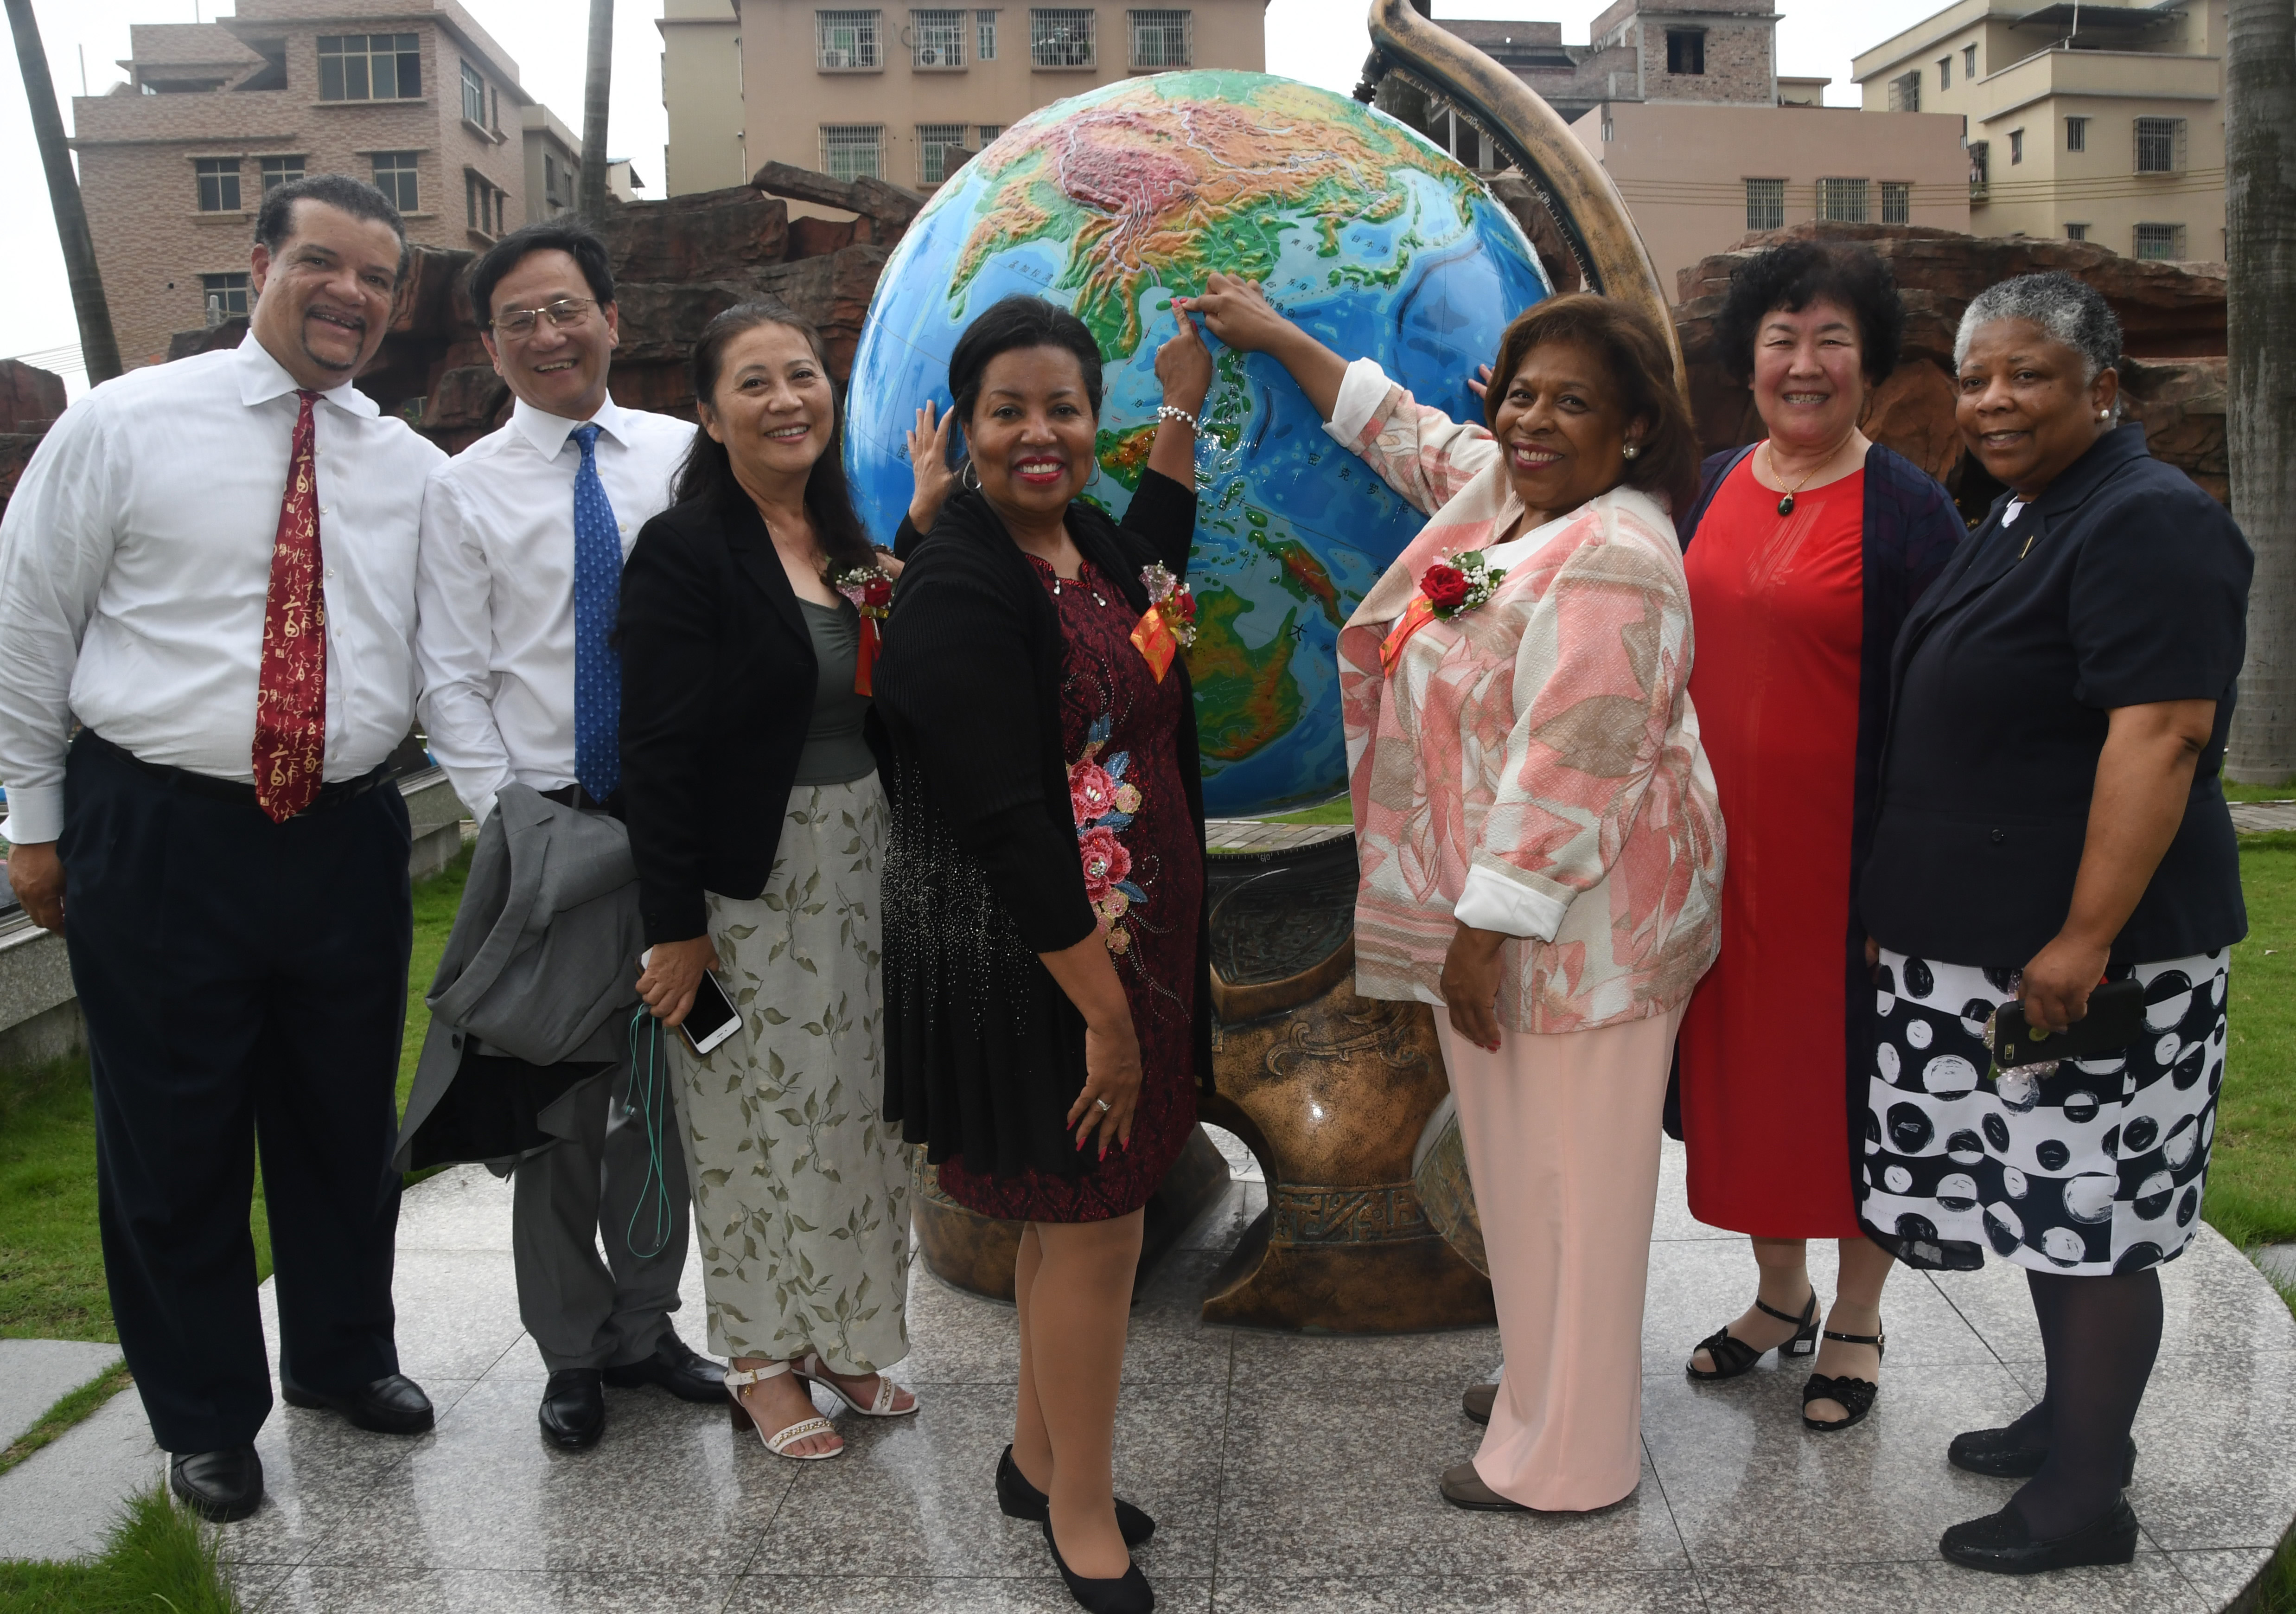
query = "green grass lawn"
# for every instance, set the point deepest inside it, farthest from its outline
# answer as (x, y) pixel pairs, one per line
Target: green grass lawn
(2252, 1172)
(51, 1267)
(156, 1559)
(2284, 791)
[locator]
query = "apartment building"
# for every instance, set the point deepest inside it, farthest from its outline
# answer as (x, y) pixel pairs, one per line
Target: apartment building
(907, 93)
(414, 96)
(2102, 121)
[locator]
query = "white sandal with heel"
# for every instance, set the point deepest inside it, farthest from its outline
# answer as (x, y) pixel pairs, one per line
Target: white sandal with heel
(779, 1442)
(881, 1405)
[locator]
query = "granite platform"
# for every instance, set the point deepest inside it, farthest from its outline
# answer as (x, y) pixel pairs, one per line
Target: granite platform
(1288, 1474)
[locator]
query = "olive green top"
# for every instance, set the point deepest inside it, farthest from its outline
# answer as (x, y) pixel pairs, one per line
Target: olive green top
(835, 752)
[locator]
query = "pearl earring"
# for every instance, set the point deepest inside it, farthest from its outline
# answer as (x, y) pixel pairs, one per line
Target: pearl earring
(2105, 414)
(1630, 451)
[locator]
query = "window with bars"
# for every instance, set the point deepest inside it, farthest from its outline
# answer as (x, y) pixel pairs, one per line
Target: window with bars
(848, 41)
(2016, 146)
(1160, 40)
(223, 297)
(1843, 200)
(394, 176)
(280, 170)
(1944, 72)
(482, 203)
(2159, 240)
(941, 150)
(1685, 50)
(935, 39)
(1969, 62)
(1061, 37)
(218, 182)
(370, 66)
(2076, 232)
(2159, 145)
(984, 35)
(988, 132)
(1981, 178)
(2076, 134)
(1896, 201)
(1766, 204)
(1905, 93)
(474, 95)
(848, 150)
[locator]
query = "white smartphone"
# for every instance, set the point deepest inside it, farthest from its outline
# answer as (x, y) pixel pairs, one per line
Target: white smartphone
(712, 1018)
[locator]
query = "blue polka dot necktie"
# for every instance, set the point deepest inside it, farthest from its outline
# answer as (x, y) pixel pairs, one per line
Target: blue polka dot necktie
(597, 596)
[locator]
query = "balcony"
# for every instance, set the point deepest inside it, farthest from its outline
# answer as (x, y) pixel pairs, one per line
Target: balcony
(2136, 75)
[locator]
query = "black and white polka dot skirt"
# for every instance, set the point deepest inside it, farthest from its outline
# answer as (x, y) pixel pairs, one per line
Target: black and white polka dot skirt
(2088, 1167)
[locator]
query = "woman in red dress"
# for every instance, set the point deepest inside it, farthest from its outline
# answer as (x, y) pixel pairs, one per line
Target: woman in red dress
(1048, 1010)
(1804, 552)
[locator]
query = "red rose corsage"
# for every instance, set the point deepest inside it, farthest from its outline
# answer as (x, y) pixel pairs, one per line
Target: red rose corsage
(1169, 625)
(871, 590)
(1459, 583)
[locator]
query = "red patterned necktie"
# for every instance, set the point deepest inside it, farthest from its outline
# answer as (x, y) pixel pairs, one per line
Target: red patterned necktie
(291, 690)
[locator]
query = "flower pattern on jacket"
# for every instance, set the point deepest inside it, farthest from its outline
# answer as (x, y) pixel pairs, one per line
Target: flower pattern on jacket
(1103, 806)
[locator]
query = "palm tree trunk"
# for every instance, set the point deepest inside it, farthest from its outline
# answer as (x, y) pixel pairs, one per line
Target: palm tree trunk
(595, 90)
(2260, 337)
(99, 348)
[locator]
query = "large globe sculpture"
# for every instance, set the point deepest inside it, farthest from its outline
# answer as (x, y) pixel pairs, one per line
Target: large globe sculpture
(1113, 202)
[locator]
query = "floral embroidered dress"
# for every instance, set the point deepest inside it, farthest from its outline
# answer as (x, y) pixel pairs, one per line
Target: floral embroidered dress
(1532, 765)
(1144, 875)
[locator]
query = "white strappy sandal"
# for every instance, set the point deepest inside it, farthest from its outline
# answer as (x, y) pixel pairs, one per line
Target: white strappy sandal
(881, 1405)
(779, 1442)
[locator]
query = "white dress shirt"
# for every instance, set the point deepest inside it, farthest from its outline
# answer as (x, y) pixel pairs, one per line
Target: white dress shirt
(496, 583)
(135, 568)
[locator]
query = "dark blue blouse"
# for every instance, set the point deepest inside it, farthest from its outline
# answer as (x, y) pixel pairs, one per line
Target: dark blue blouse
(2123, 585)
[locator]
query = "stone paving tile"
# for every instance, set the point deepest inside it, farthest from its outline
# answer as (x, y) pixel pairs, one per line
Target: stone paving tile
(1734, 1452)
(1698, 1286)
(315, 1465)
(1340, 1476)
(916, 1496)
(2211, 1444)
(2255, 817)
(2152, 1585)
(35, 1374)
(371, 1589)
(60, 1502)
(2222, 1575)
(464, 1208)
(1674, 1220)
(1252, 1591)
(770, 1593)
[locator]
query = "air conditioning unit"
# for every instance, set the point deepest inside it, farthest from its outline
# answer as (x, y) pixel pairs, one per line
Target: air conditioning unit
(927, 56)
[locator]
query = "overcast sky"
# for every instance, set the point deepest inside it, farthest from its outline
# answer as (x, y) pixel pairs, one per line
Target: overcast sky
(1320, 41)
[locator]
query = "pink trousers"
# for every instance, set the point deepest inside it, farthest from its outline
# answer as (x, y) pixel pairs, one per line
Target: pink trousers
(1562, 1136)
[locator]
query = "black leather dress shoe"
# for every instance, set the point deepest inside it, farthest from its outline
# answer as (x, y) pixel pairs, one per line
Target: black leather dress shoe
(1999, 1454)
(393, 1405)
(2000, 1544)
(677, 1367)
(222, 1486)
(574, 1408)
(1016, 1498)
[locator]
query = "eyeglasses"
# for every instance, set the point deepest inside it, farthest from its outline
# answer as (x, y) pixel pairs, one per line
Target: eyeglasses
(567, 314)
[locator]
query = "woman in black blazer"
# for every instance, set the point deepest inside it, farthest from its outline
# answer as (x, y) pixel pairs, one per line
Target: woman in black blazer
(751, 760)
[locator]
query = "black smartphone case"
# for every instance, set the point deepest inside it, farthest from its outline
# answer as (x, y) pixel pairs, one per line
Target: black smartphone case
(2115, 1019)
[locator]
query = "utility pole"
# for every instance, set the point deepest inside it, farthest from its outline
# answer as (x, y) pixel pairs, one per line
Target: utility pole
(592, 198)
(99, 348)
(2261, 340)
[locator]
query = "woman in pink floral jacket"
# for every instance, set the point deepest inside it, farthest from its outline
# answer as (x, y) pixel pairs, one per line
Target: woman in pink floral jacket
(1541, 848)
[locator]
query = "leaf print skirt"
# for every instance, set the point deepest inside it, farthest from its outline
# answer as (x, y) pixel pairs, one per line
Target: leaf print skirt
(800, 1189)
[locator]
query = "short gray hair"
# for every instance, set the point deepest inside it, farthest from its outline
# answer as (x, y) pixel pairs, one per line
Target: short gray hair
(2068, 309)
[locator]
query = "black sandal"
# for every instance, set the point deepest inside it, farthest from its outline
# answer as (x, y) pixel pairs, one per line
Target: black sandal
(1855, 1394)
(1733, 1357)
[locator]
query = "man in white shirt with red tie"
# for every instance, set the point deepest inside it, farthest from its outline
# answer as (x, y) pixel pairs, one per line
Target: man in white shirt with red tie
(209, 566)
(524, 534)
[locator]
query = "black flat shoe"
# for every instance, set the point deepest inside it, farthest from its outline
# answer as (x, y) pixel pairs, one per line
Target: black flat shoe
(1476, 1401)
(1733, 1357)
(1016, 1498)
(677, 1367)
(1855, 1395)
(393, 1405)
(1997, 1454)
(1129, 1595)
(1999, 1544)
(1463, 1487)
(573, 1412)
(223, 1485)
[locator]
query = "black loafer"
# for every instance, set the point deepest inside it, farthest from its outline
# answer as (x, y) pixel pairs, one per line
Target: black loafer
(1996, 1454)
(1016, 1498)
(1476, 1402)
(2000, 1544)
(393, 1405)
(222, 1486)
(573, 1412)
(677, 1367)
(1463, 1487)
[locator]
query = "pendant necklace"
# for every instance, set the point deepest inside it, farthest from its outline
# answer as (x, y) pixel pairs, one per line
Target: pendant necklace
(1786, 503)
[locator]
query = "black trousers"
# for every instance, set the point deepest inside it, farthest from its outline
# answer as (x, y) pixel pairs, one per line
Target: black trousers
(244, 982)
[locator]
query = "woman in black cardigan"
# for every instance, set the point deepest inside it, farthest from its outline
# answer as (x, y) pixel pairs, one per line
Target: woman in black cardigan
(751, 778)
(1046, 1002)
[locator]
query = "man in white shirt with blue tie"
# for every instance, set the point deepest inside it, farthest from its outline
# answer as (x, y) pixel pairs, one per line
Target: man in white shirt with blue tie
(523, 537)
(209, 565)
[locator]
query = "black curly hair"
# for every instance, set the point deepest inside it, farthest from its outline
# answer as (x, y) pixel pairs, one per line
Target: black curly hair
(1795, 274)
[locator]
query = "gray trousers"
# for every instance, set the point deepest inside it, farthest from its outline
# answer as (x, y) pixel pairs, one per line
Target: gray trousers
(584, 1311)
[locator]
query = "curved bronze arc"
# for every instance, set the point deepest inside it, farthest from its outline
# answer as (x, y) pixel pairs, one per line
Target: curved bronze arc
(1586, 204)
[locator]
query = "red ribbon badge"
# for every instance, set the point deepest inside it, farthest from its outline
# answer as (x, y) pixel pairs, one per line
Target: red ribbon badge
(865, 656)
(1152, 636)
(1416, 615)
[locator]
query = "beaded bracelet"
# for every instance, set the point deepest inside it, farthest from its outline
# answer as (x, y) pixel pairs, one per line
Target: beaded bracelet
(1174, 412)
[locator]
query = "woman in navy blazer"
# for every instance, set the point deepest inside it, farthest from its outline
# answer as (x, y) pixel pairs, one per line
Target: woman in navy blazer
(2051, 818)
